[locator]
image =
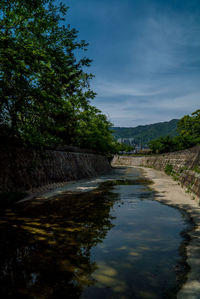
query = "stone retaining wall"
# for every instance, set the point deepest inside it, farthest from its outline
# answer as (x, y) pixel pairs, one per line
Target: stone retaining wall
(185, 165)
(22, 171)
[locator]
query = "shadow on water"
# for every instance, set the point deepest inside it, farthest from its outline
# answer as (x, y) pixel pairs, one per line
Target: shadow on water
(114, 242)
(45, 250)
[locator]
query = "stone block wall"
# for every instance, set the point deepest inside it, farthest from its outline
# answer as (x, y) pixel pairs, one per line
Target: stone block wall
(22, 170)
(185, 165)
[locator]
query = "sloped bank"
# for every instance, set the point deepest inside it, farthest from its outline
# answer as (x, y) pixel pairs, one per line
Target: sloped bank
(22, 170)
(170, 193)
(184, 165)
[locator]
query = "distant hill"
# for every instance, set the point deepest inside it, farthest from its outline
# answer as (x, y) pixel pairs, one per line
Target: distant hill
(141, 135)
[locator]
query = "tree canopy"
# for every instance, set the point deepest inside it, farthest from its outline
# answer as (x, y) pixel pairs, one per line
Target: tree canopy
(44, 89)
(189, 135)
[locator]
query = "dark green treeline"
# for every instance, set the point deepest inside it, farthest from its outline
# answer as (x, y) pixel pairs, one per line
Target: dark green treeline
(44, 89)
(189, 135)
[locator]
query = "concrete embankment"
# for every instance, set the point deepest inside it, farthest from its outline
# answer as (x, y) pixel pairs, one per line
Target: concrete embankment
(170, 193)
(22, 170)
(185, 166)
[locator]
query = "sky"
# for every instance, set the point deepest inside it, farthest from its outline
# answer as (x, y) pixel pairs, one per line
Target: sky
(146, 57)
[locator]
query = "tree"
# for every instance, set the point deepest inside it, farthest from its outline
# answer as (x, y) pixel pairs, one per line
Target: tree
(42, 85)
(189, 135)
(94, 131)
(189, 128)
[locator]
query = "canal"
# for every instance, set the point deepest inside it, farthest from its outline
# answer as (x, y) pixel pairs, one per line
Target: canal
(115, 241)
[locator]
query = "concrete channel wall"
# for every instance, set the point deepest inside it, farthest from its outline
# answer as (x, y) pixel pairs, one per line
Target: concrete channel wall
(22, 170)
(185, 166)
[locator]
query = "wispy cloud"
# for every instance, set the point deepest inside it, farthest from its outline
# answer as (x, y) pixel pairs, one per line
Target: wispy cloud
(167, 43)
(148, 103)
(146, 57)
(107, 88)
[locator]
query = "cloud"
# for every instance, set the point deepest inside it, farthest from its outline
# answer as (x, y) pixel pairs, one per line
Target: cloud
(107, 88)
(145, 57)
(162, 78)
(167, 43)
(148, 103)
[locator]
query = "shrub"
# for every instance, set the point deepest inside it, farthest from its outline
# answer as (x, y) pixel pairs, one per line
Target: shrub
(169, 168)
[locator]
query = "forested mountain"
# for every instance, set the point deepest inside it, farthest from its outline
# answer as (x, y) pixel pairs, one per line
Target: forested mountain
(188, 135)
(141, 135)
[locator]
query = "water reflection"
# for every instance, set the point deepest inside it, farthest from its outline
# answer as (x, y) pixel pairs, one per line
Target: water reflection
(45, 249)
(140, 254)
(114, 242)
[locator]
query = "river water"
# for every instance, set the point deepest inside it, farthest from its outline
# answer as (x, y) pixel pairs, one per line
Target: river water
(116, 241)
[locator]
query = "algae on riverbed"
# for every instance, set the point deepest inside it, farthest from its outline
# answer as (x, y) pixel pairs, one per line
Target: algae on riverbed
(115, 241)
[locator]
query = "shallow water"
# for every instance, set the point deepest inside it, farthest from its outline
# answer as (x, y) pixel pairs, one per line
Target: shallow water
(113, 242)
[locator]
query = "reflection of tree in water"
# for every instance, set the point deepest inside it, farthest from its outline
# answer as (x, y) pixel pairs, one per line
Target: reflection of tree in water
(45, 249)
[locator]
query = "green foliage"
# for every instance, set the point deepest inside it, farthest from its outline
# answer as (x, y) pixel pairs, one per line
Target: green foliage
(168, 169)
(189, 135)
(184, 168)
(93, 131)
(196, 169)
(144, 134)
(189, 128)
(121, 147)
(44, 91)
(162, 144)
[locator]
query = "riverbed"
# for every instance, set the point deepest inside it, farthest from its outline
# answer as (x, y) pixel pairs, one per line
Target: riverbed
(114, 241)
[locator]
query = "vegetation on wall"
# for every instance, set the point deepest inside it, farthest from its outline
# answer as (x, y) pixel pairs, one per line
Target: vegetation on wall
(44, 89)
(189, 135)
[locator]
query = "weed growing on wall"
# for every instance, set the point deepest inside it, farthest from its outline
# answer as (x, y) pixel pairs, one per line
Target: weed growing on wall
(168, 169)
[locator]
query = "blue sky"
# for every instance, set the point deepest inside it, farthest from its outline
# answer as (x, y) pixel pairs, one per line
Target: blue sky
(146, 57)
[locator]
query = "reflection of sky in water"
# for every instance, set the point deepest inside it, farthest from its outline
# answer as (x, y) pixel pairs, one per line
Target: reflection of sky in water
(113, 242)
(138, 256)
